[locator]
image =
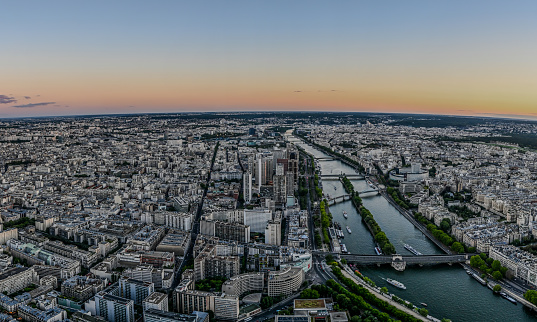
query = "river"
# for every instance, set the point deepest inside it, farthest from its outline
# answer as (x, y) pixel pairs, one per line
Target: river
(447, 290)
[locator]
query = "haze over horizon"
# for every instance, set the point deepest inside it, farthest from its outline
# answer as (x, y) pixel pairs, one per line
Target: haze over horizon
(464, 58)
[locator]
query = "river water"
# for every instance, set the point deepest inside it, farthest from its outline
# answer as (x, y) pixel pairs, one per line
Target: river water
(448, 291)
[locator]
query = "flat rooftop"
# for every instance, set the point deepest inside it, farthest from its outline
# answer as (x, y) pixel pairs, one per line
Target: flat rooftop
(310, 304)
(156, 297)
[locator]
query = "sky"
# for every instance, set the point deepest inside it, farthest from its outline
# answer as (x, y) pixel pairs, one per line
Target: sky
(103, 57)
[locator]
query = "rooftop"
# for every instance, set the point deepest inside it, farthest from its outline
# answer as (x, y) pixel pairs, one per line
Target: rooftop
(310, 304)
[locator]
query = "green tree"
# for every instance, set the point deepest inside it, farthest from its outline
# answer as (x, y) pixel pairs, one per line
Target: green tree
(309, 294)
(343, 261)
(497, 288)
(503, 270)
(266, 302)
(497, 275)
(496, 265)
(343, 301)
(329, 258)
(445, 225)
(457, 247)
(356, 318)
(423, 311)
(476, 261)
(531, 296)
(384, 290)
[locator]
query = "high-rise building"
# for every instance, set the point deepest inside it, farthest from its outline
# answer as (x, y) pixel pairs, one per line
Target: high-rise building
(267, 169)
(293, 159)
(189, 301)
(247, 186)
(135, 290)
(114, 308)
(157, 301)
(273, 233)
(225, 230)
(143, 273)
(207, 264)
(17, 278)
(285, 281)
(257, 219)
(232, 231)
(247, 282)
(226, 306)
(280, 185)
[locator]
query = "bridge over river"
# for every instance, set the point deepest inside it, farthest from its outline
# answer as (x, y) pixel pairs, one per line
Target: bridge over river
(399, 262)
(345, 197)
(339, 176)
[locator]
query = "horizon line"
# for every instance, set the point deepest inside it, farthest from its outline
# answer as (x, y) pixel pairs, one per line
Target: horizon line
(518, 117)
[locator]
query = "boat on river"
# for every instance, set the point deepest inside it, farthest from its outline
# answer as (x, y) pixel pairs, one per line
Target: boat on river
(479, 279)
(345, 214)
(423, 304)
(378, 251)
(412, 250)
(349, 230)
(396, 283)
(507, 297)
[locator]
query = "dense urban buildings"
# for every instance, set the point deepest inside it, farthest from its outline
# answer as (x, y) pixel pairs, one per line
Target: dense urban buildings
(166, 217)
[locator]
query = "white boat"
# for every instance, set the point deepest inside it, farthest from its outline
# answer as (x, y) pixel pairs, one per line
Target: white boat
(349, 230)
(345, 214)
(412, 250)
(377, 250)
(479, 279)
(507, 297)
(343, 248)
(396, 283)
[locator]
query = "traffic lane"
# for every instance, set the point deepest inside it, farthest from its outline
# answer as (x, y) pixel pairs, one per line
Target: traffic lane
(271, 312)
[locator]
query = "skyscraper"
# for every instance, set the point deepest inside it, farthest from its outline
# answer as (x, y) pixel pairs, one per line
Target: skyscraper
(247, 186)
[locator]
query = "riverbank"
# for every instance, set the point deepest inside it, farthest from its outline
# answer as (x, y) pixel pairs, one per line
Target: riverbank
(347, 272)
(367, 217)
(448, 290)
(416, 224)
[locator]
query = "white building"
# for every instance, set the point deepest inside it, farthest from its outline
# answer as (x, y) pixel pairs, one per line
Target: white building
(257, 219)
(157, 301)
(114, 308)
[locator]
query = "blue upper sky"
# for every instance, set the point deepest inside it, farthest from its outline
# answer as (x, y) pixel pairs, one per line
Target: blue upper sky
(461, 57)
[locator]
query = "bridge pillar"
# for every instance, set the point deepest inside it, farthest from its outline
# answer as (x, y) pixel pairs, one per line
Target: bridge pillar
(398, 263)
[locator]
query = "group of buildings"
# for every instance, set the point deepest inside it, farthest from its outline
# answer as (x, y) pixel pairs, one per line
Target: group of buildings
(486, 190)
(97, 215)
